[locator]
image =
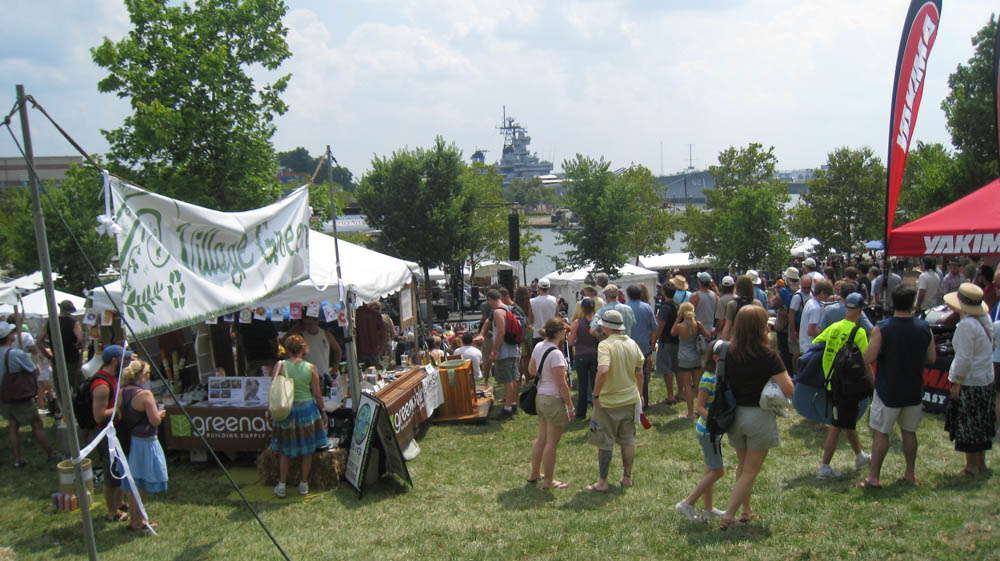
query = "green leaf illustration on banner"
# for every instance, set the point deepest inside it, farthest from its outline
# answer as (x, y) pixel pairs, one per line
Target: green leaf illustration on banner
(176, 289)
(137, 304)
(180, 425)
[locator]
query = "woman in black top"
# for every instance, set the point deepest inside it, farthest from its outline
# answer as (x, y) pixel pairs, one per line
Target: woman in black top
(750, 363)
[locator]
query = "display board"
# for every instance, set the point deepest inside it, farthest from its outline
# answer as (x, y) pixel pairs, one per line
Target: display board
(225, 428)
(239, 391)
(371, 426)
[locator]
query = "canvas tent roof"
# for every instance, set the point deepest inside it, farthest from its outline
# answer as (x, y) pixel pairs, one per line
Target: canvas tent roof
(29, 283)
(368, 273)
(664, 261)
(804, 247)
(568, 284)
(968, 226)
(34, 304)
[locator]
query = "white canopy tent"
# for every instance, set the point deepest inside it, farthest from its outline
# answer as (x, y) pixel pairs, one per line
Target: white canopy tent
(35, 306)
(28, 283)
(669, 261)
(369, 274)
(804, 247)
(568, 284)
(8, 295)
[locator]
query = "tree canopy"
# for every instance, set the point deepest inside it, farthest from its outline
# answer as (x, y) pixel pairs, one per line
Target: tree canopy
(845, 204)
(299, 160)
(619, 213)
(743, 222)
(200, 128)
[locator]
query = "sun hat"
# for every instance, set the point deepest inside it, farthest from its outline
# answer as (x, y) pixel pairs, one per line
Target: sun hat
(544, 283)
(968, 299)
(114, 351)
(791, 274)
(854, 301)
(754, 277)
(728, 281)
(612, 319)
(6, 328)
(679, 282)
(809, 262)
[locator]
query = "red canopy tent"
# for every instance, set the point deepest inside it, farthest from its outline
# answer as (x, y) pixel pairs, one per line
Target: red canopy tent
(968, 226)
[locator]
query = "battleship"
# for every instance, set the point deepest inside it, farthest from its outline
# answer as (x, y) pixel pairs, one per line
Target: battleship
(516, 162)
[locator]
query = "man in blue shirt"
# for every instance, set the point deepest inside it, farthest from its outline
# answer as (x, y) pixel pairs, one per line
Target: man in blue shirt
(642, 333)
(838, 311)
(22, 412)
(612, 303)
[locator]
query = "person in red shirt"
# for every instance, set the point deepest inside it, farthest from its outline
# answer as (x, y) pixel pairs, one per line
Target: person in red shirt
(103, 387)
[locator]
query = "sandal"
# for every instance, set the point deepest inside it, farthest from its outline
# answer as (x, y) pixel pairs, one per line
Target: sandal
(593, 487)
(535, 480)
(726, 523)
(556, 485)
(865, 484)
(118, 516)
(746, 519)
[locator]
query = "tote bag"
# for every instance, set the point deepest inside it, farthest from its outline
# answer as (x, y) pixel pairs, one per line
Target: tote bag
(279, 397)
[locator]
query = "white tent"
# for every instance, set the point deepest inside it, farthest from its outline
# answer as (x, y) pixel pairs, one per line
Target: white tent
(34, 304)
(667, 261)
(8, 295)
(568, 284)
(368, 273)
(28, 283)
(804, 247)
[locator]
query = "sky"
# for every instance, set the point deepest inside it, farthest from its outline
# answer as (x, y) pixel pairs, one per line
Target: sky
(617, 79)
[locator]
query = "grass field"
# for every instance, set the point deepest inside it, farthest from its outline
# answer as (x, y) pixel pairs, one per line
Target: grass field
(470, 501)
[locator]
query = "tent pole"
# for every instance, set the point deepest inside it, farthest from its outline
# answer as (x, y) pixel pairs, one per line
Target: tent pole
(55, 335)
(352, 347)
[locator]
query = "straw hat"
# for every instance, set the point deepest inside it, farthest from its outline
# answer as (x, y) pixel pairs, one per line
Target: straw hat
(968, 299)
(679, 282)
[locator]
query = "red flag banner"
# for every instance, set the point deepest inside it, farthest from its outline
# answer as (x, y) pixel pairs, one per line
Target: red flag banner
(919, 33)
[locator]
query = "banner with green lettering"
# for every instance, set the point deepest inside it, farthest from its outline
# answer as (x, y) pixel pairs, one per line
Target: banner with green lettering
(182, 263)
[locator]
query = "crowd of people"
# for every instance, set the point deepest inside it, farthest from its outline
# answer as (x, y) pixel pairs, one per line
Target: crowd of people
(618, 341)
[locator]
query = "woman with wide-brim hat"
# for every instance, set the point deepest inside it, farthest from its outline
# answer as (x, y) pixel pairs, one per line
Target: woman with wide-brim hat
(971, 419)
(681, 293)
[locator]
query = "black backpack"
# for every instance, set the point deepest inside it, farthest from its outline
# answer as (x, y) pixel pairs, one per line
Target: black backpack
(83, 403)
(848, 379)
(722, 410)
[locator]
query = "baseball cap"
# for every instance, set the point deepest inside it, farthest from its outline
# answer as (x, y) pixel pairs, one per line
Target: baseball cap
(854, 301)
(612, 319)
(754, 277)
(728, 281)
(704, 277)
(809, 262)
(115, 351)
(6, 328)
(543, 283)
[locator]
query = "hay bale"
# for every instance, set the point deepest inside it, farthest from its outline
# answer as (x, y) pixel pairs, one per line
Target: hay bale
(327, 468)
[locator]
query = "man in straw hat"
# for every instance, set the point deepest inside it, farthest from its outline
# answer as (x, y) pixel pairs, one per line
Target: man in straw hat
(616, 395)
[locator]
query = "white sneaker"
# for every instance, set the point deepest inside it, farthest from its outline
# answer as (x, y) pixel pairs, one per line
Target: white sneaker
(827, 472)
(688, 511)
(279, 490)
(303, 488)
(862, 459)
(713, 514)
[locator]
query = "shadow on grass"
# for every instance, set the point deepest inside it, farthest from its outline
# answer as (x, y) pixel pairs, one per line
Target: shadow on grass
(839, 485)
(895, 490)
(481, 427)
(954, 482)
(194, 552)
(674, 424)
(67, 541)
(524, 498)
(709, 534)
(385, 488)
(590, 500)
(806, 431)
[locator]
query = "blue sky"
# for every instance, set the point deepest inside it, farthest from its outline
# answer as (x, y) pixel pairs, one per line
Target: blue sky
(603, 78)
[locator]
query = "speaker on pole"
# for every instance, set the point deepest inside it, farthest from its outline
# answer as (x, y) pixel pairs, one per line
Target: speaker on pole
(514, 236)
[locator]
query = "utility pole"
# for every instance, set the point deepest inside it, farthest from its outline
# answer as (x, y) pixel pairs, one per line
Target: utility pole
(354, 375)
(65, 393)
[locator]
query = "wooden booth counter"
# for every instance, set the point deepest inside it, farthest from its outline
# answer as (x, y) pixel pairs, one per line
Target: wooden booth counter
(232, 429)
(461, 401)
(410, 400)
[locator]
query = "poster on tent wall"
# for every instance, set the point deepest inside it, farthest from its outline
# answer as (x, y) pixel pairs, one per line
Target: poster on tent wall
(183, 263)
(919, 33)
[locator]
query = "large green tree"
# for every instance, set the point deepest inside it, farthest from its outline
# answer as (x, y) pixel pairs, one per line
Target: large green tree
(845, 204)
(970, 112)
(528, 192)
(77, 200)
(619, 213)
(200, 128)
(928, 183)
(743, 222)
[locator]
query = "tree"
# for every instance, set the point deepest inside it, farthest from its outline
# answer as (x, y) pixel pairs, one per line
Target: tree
(528, 192)
(200, 128)
(300, 161)
(415, 198)
(529, 244)
(845, 205)
(483, 232)
(78, 201)
(970, 112)
(928, 183)
(742, 224)
(619, 214)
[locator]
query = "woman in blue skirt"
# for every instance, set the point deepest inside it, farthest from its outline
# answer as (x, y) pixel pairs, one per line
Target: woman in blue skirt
(304, 430)
(141, 417)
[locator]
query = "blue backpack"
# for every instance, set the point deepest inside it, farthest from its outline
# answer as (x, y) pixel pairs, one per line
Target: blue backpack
(809, 369)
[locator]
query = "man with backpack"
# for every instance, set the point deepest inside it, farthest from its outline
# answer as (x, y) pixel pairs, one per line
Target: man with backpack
(505, 351)
(848, 382)
(18, 375)
(102, 389)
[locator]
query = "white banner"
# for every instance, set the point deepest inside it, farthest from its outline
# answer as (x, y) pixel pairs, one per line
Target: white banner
(182, 263)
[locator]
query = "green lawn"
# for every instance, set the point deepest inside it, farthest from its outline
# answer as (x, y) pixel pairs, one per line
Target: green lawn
(470, 501)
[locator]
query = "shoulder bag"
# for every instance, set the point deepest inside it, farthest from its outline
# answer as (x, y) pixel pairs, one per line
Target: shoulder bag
(17, 386)
(281, 395)
(526, 401)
